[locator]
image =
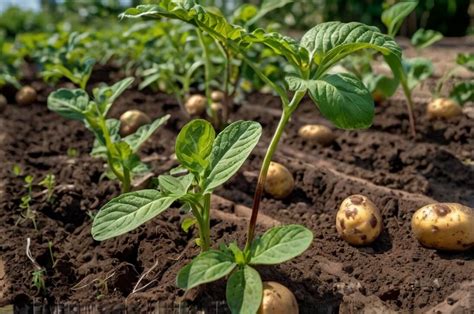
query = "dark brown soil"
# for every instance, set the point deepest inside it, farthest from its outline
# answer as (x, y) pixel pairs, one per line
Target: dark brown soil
(397, 172)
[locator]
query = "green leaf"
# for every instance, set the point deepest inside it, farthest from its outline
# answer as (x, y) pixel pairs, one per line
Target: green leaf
(207, 267)
(187, 223)
(219, 28)
(128, 211)
(343, 99)
(466, 60)
(99, 148)
(106, 95)
(463, 92)
(176, 185)
(280, 244)
(394, 16)
(194, 144)
(230, 150)
(330, 42)
(417, 70)
(425, 37)
(381, 84)
(266, 7)
(136, 139)
(244, 291)
(69, 103)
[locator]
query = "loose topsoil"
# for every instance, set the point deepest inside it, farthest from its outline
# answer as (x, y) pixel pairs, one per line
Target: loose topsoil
(399, 173)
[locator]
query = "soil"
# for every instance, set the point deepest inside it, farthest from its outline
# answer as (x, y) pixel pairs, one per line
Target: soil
(397, 172)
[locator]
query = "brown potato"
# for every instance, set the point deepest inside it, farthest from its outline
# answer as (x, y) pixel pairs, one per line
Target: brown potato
(216, 106)
(444, 226)
(131, 120)
(358, 220)
(25, 96)
(279, 182)
(196, 105)
(320, 134)
(217, 96)
(443, 108)
(277, 299)
(3, 102)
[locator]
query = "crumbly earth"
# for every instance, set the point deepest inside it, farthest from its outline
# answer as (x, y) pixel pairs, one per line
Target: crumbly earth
(398, 173)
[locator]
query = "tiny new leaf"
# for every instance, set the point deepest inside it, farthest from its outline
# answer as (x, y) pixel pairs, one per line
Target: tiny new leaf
(194, 144)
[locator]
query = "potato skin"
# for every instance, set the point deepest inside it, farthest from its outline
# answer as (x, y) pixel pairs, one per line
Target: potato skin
(277, 299)
(217, 96)
(279, 182)
(318, 133)
(358, 220)
(444, 226)
(26, 96)
(443, 108)
(217, 107)
(196, 105)
(131, 120)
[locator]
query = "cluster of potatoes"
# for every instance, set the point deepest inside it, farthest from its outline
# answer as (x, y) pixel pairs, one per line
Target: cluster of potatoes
(441, 226)
(196, 104)
(24, 97)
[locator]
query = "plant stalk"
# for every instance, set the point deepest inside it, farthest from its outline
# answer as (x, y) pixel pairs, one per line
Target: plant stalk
(285, 117)
(262, 178)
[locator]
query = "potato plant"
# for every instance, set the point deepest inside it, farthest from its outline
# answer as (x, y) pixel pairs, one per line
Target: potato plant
(209, 161)
(417, 69)
(68, 61)
(120, 152)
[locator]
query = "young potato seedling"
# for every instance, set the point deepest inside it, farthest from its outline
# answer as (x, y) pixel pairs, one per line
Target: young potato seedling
(68, 61)
(28, 214)
(38, 274)
(120, 152)
(26, 96)
(280, 182)
(444, 226)
(358, 220)
(209, 161)
(317, 133)
(49, 182)
(277, 299)
(461, 93)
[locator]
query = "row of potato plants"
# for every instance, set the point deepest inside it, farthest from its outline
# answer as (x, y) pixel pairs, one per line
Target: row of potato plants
(242, 52)
(207, 160)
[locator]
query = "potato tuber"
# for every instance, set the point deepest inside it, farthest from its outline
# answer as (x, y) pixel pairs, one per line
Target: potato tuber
(196, 105)
(25, 96)
(131, 120)
(320, 134)
(443, 108)
(277, 299)
(279, 182)
(358, 220)
(444, 226)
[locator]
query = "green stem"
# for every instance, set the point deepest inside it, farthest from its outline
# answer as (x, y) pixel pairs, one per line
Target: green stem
(207, 67)
(201, 212)
(285, 117)
(123, 176)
